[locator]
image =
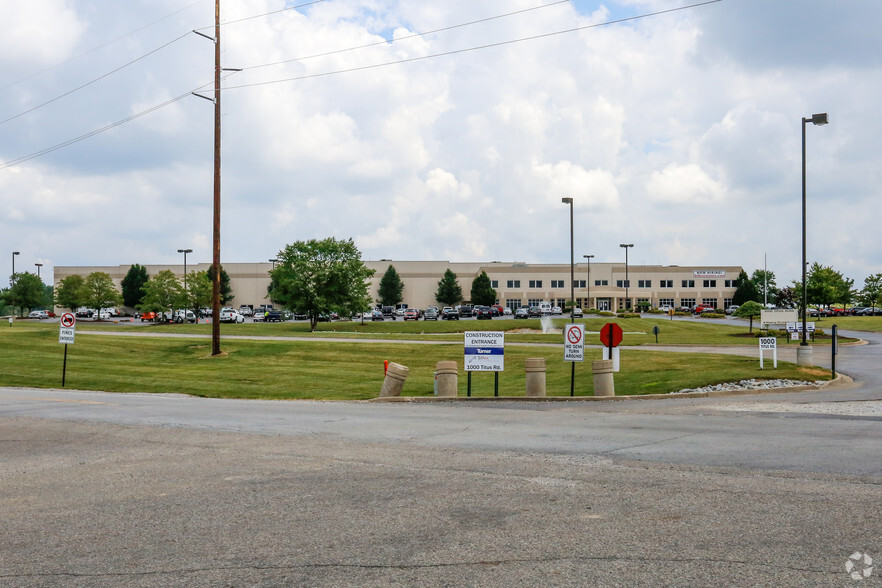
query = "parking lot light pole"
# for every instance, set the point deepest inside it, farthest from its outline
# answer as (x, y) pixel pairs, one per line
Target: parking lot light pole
(12, 278)
(572, 263)
(185, 252)
(588, 283)
(818, 120)
(274, 262)
(627, 300)
(39, 265)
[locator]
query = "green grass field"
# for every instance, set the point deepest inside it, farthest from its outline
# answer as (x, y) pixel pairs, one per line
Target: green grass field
(31, 356)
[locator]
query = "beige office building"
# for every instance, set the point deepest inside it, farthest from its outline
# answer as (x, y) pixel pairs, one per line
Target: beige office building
(516, 284)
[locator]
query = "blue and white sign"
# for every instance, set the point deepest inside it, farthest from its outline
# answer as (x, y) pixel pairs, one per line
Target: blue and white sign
(484, 351)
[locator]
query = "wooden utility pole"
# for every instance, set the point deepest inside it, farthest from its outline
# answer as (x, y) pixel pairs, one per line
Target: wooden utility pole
(215, 286)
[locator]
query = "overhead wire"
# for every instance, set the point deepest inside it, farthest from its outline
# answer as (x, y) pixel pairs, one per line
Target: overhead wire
(469, 49)
(19, 160)
(287, 8)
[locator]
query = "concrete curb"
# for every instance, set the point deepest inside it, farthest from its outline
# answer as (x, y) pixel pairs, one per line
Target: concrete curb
(841, 381)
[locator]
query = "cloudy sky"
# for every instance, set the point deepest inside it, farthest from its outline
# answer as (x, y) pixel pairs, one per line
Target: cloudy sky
(679, 132)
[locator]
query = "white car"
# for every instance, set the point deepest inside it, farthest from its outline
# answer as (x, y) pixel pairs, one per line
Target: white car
(231, 315)
(731, 309)
(665, 308)
(577, 312)
(556, 310)
(245, 311)
(506, 311)
(39, 314)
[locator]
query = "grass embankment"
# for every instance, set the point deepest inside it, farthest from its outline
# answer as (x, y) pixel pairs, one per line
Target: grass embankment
(637, 331)
(32, 357)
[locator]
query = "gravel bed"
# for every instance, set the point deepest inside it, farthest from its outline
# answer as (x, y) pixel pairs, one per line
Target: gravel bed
(747, 385)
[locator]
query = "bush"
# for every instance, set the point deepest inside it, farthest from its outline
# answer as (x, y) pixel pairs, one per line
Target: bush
(628, 315)
(682, 313)
(655, 311)
(592, 311)
(606, 313)
(712, 315)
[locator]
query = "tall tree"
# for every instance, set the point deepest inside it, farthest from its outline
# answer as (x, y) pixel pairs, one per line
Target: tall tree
(101, 292)
(826, 286)
(787, 297)
(482, 290)
(316, 277)
(226, 292)
(744, 290)
(132, 285)
(449, 291)
(71, 292)
(871, 293)
(749, 310)
(391, 290)
(162, 292)
(197, 294)
(763, 280)
(27, 292)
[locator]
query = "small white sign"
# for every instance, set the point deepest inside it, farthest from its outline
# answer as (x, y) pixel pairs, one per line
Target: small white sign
(574, 342)
(768, 343)
(484, 351)
(66, 335)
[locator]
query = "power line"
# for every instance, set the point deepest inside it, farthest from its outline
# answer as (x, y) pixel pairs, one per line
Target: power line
(99, 78)
(469, 49)
(393, 40)
(229, 22)
(92, 50)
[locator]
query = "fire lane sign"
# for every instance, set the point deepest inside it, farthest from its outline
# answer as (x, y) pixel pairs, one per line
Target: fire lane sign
(484, 351)
(574, 342)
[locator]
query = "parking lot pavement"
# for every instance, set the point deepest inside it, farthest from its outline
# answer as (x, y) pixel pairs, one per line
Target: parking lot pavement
(97, 504)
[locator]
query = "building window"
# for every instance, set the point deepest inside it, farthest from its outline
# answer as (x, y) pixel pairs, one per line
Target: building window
(513, 284)
(730, 283)
(623, 283)
(535, 283)
(666, 284)
(689, 302)
(709, 302)
(666, 302)
(727, 302)
(710, 283)
(601, 282)
(579, 283)
(562, 302)
(644, 283)
(494, 284)
(555, 284)
(513, 303)
(688, 283)
(534, 301)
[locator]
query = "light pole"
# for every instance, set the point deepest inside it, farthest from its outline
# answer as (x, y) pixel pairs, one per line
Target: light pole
(39, 265)
(275, 261)
(572, 263)
(627, 300)
(12, 278)
(588, 282)
(185, 252)
(815, 119)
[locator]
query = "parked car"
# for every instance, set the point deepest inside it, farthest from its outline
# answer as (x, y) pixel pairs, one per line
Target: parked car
(230, 315)
(245, 310)
(482, 312)
(522, 313)
(450, 314)
(273, 316)
(466, 310)
(535, 311)
(182, 316)
(257, 316)
(85, 313)
(389, 311)
(665, 308)
(148, 316)
(732, 308)
(556, 310)
(703, 308)
(412, 314)
(497, 310)
(506, 311)
(377, 315)
(430, 314)
(577, 312)
(38, 314)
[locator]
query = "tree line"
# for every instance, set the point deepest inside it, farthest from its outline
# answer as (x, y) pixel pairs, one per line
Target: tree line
(825, 287)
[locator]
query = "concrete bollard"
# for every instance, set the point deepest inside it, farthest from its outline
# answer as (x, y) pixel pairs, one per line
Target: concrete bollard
(394, 382)
(447, 374)
(603, 377)
(535, 369)
(804, 356)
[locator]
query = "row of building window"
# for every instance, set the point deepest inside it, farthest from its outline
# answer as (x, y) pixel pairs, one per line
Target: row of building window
(512, 284)
(604, 303)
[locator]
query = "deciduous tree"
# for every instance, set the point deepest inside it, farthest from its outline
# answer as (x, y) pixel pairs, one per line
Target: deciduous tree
(101, 292)
(749, 310)
(71, 292)
(28, 292)
(162, 292)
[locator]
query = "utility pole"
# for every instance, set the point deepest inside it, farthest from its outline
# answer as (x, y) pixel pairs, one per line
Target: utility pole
(215, 286)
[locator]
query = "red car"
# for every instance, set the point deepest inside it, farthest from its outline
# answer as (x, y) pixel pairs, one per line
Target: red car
(412, 314)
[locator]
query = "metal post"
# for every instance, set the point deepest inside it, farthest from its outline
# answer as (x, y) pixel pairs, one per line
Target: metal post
(469, 387)
(804, 285)
(833, 350)
(588, 283)
(12, 278)
(495, 383)
(215, 286)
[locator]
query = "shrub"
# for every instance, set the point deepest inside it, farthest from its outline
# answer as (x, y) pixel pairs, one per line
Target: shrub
(713, 315)
(606, 313)
(629, 315)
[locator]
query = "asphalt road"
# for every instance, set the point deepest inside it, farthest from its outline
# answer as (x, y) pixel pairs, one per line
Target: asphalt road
(167, 490)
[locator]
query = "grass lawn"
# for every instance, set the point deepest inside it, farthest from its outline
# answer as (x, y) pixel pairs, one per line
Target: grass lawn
(32, 357)
(638, 331)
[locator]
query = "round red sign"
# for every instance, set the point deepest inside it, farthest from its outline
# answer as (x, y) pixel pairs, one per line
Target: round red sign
(68, 319)
(611, 332)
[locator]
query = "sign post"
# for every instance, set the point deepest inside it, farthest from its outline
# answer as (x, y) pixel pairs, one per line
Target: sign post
(484, 352)
(66, 335)
(611, 335)
(574, 349)
(769, 343)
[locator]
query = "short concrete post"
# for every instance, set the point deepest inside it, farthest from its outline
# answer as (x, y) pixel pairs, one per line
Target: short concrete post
(603, 377)
(394, 382)
(804, 356)
(447, 374)
(535, 369)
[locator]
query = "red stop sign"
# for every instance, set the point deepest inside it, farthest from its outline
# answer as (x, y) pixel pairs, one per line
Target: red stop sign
(611, 335)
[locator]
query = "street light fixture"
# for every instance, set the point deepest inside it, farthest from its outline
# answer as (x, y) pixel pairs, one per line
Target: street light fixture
(589, 258)
(12, 278)
(39, 265)
(817, 120)
(275, 261)
(185, 252)
(627, 283)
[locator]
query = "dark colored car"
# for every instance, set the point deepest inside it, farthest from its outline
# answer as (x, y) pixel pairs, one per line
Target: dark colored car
(388, 311)
(522, 313)
(377, 315)
(450, 315)
(430, 314)
(273, 316)
(466, 310)
(482, 313)
(535, 311)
